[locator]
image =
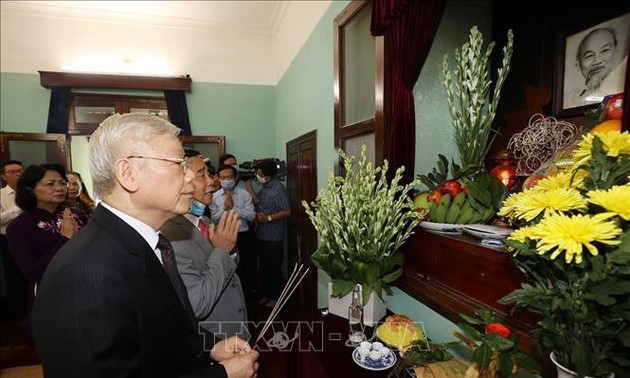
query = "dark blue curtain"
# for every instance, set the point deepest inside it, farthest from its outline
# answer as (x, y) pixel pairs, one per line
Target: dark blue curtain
(178, 110)
(58, 110)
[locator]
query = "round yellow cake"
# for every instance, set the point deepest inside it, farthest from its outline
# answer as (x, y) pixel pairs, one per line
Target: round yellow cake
(399, 331)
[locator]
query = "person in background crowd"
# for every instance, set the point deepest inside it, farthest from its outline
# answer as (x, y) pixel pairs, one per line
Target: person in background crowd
(77, 195)
(37, 234)
(16, 283)
(271, 219)
(232, 197)
(202, 251)
(249, 186)
(112, 303)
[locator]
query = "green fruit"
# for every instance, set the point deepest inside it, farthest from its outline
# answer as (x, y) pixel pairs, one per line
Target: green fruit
(446, 200)
(420, 201)
(432, 211)
(440, 212)
(466, 213)
(455, 208)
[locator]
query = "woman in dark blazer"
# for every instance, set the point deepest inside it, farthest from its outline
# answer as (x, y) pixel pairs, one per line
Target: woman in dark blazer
(45, 225)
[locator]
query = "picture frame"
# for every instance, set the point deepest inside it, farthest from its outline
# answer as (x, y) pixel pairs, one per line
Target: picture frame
(581, 83)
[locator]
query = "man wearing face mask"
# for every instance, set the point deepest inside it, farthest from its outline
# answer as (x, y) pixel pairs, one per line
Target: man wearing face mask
(202, 252)
(233, 197)
(271, 219)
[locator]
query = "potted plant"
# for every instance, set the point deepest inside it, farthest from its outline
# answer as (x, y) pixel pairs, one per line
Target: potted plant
(472, 107)
(573, 245)
(362, 220)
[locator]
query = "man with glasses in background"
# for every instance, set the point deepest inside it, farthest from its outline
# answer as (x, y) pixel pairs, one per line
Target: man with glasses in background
(16, 283)
(112, 303)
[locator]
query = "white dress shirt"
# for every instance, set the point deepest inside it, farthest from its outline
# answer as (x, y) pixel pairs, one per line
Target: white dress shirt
(9, 210)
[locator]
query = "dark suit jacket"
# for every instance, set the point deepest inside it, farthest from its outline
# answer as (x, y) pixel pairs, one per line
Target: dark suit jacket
(106, 308)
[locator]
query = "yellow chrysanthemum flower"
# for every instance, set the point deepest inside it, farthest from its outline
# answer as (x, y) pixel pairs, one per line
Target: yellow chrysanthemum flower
(522, 234)
(533, 202)
(616, 200)
(560, 180)
(510, 205)
(571, 234)
(616, 143)
(582, 153)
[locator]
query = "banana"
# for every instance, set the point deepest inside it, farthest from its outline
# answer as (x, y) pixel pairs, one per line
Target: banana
(466, 213)
(455, 208)
(446, 200)
(432, 210)
(440, 212)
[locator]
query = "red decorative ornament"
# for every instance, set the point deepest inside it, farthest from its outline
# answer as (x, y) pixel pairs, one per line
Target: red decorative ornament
(499, 329)
(505, 169)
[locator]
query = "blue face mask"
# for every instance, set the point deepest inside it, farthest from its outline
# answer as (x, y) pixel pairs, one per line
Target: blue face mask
(197, 208)
(228, 184)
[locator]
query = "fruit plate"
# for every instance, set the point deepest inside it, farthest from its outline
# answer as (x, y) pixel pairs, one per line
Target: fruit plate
(450, 228)
(485, 231)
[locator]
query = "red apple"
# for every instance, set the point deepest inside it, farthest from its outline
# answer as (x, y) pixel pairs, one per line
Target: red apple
(614, 107)
(452, 187)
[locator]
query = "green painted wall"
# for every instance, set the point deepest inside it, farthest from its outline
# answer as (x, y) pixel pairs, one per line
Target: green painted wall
(23, 103)
(434, 126)
(245, 114)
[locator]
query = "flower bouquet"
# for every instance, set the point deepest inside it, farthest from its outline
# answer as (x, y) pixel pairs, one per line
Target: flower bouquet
(573, 245)
(362, 220)
(466, 193)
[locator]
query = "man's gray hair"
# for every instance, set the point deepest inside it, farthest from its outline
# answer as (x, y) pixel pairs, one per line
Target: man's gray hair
(117, 137)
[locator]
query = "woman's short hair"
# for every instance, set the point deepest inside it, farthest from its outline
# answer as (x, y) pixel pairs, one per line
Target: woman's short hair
(25, 198)
(117, 137)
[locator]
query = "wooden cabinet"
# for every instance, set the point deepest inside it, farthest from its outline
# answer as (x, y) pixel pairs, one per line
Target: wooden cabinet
(456, 274)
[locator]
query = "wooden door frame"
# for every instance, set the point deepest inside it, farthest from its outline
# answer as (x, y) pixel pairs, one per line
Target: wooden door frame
(293, 238)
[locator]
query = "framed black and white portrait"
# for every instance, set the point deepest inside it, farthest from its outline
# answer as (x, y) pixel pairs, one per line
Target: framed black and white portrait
(590, 64)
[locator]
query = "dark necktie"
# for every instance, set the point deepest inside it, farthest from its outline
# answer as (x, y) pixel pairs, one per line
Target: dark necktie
(170, 266)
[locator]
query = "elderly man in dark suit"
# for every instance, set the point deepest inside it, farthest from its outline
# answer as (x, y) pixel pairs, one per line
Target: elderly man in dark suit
(111, 303)
(202, 251)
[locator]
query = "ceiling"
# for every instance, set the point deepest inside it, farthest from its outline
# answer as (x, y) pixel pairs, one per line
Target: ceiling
(242, 42)
(261, 17)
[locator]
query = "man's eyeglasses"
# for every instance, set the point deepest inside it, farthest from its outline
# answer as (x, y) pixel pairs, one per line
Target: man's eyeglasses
(184, 163)
(52, 184)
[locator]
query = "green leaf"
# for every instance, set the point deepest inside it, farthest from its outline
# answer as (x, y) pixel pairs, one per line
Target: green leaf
(497, 342)
(393, 276)
(471, 319)
(482, 356)
(341, 287)
(469, 331)
(525, 361)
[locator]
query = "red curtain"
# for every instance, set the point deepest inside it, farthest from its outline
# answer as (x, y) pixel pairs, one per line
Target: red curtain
(408, 27)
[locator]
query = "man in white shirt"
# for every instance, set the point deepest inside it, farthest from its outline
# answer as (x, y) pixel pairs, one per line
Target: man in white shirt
(16, 283)
(233, 197)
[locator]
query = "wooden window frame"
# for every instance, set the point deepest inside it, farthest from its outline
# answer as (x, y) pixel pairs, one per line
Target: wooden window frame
(377, 123)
